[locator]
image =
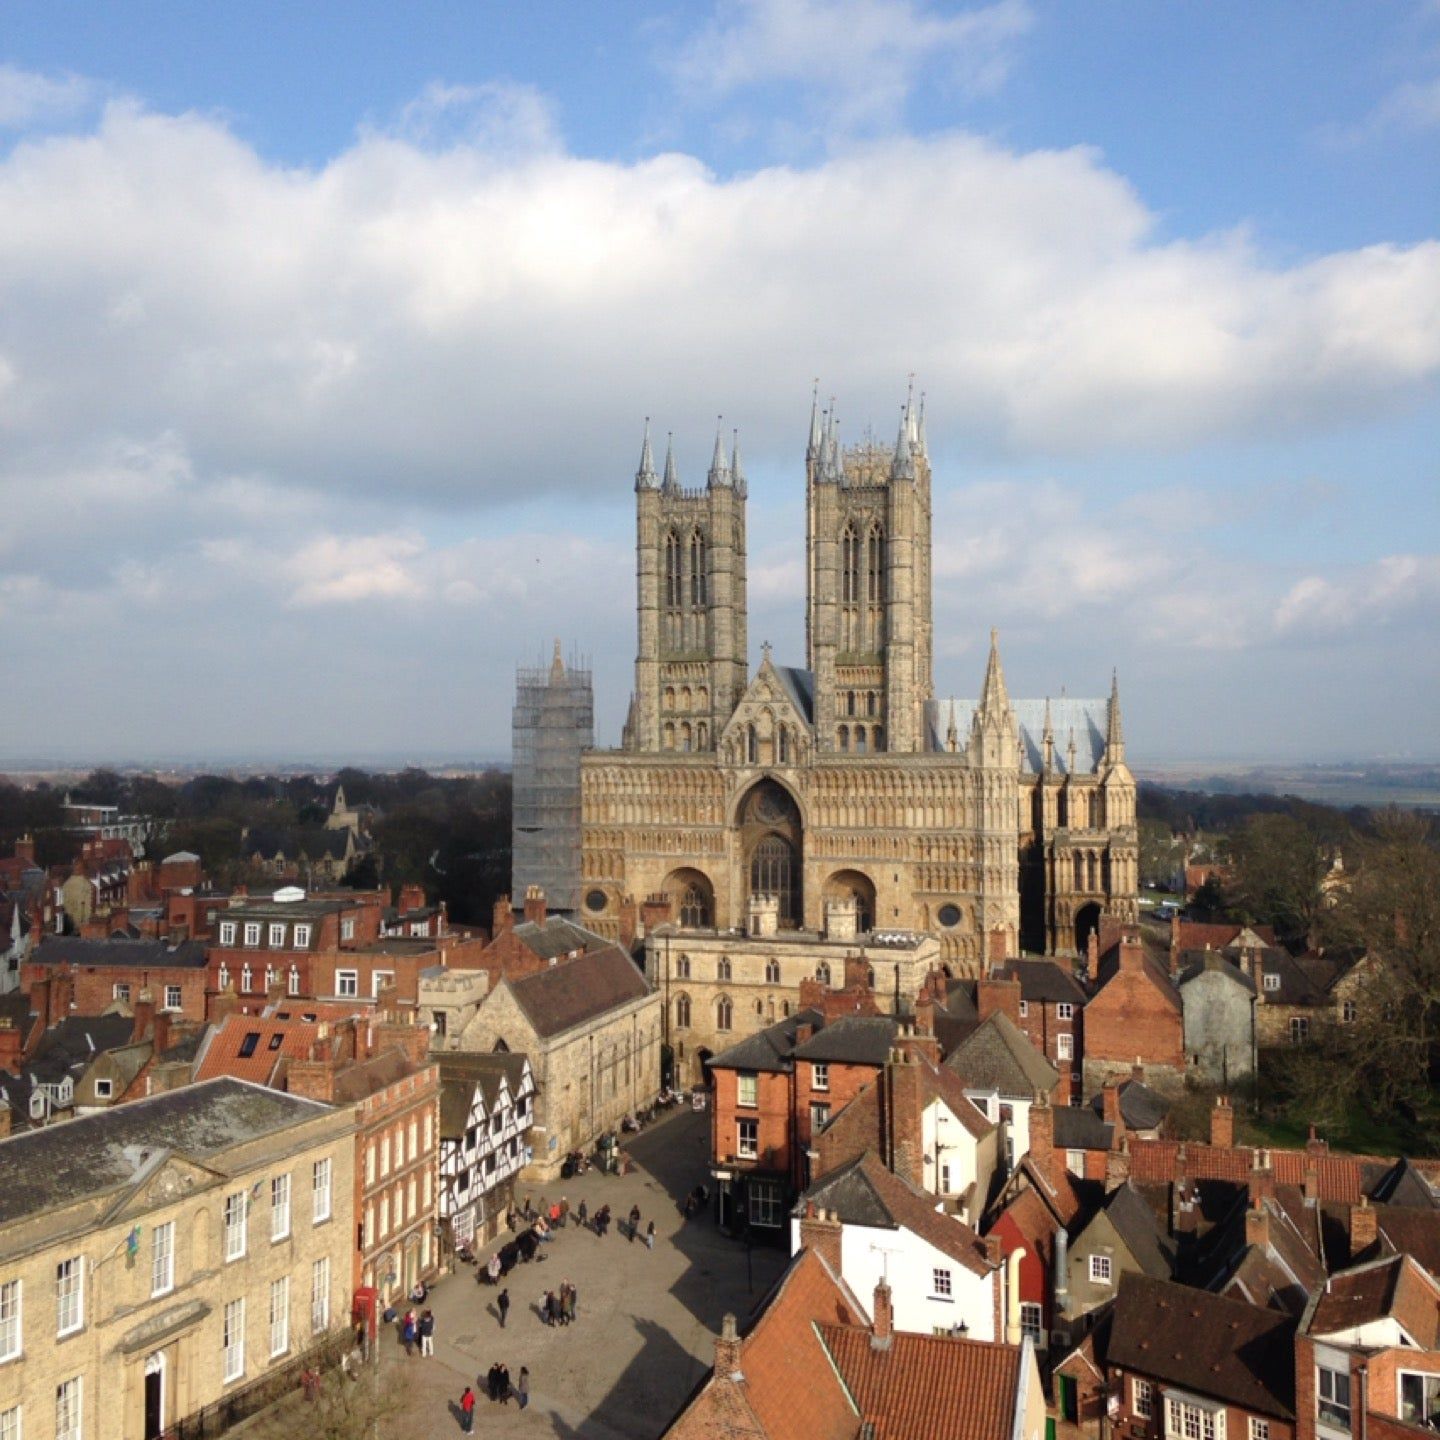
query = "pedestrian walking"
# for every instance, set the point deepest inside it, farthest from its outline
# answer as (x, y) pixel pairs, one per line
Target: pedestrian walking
(550, 1307)
(493, 1267)
(650, 1236)
(407, 1332)
(467, 1410)
(427, 1333)
(522, 1388)
(634, 1222)
(584, 1213)
(503, 1305)
(503, 1383)
(492, 1382)
(564, 1211)
(570, 1301)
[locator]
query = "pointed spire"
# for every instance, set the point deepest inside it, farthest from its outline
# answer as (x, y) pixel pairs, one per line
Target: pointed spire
(812, 449)
(902, 467)
(719, 464)
(994, 699)
(921, 443)
(1114, 731)
(672, 477)
(737, 471)
(952, 732)
(645, 478)
(1047, 741)
(557, 665)
(1070, 753)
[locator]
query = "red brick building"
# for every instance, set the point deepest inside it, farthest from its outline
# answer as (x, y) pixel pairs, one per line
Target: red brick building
(102, 972)
(1050, 1013)
(1133, 1018)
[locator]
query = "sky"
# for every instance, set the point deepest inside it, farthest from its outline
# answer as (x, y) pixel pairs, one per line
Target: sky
(328, 333)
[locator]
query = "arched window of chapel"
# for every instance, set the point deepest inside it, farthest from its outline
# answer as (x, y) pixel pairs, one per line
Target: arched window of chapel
(697, 570)
(674, 579)
(724, 1013)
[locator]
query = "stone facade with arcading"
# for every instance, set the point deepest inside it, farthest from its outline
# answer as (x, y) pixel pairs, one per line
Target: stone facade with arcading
(848, 778)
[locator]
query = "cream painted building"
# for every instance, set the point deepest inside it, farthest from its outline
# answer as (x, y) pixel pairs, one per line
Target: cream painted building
(719, 988)
(590, 1026)
(161, 1257)
(848, 777)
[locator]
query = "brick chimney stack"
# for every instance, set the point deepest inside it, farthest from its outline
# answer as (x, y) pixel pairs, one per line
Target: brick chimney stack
(1222, 1123)
(25, 849)
(502, 917)
(144, 1013)
(1110, 1107)
(820, 1232)
(12, 1042)
(1042, 1135)
(884, 1324)
(998, 995)
(312, 1079)
(1132, 952)
(727, 1348)
(1257, 1226)
(905, 1147)
(1261, 1182)
(655, 910)
(1364, 1228)
(223, 1005)
(534, 905)
(629, 922)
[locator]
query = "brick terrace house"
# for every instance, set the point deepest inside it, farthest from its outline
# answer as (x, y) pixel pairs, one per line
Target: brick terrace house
(775, 1090)
(1133, 1018)
(1050, 1014)
(381, 1074)
(1188, 1365)
(1367, 1361)
(104, 972)
(857, 1379)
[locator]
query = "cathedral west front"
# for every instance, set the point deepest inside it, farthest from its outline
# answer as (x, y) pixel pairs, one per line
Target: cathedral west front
(843, 787)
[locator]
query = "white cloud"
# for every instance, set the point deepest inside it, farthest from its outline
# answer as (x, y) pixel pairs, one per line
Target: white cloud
(498, 116)
(28, 98)
(1363, 595)
(860, 59)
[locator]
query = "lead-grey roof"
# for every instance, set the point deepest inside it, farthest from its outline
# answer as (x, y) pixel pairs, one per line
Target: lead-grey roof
(997, 1056)
(1078, 1129)
(1087, 720)
(800, 687)
(1042, 982)
(849, 1193)
(97, 1153)
(556, 937)
(1141, 1108)
(1136, 1225)
(146, 954)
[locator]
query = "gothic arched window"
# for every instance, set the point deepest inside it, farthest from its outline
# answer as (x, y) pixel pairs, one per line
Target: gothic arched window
(682, 967)
(682, 1012)
(849, 565)
(772, 972)
(685, 737)
(752, 745)
(722, 968)
(878, 736)
(674, 582)
(784, 742)
(875, 564)
(844, 737)
(822, 973)
(724, 1013)
(697, 570)
(694, 908)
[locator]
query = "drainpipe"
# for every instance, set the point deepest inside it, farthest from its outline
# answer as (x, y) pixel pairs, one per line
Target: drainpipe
(1062, 1277)
(1012, 1295)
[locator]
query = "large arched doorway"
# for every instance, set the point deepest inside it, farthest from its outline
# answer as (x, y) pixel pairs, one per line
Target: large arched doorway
(771, 835)
(854, 885)
(1087, 922)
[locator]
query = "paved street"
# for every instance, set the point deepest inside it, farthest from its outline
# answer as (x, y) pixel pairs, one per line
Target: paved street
(643, 1334)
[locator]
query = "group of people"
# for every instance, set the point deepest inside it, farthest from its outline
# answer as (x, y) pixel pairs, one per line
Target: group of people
(498, 1387)
(418, 1332)
(558, 1307)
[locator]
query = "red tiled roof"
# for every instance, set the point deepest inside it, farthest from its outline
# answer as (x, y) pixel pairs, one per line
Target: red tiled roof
(1338, 1177)
(222, 1051)
(923, 1386)
(1196, 935)
(1396, 1288)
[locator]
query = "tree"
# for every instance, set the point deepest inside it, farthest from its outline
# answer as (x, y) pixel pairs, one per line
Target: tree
(1279, 863)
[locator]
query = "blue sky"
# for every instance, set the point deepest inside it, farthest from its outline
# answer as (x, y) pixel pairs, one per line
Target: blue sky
(327, 331)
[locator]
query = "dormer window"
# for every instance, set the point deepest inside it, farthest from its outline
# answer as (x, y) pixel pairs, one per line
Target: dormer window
(1272, 980)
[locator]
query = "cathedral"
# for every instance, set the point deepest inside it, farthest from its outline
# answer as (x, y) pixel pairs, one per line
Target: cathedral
(845, 784)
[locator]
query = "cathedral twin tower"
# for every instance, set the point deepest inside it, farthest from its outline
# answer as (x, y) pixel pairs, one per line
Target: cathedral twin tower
(845, 780)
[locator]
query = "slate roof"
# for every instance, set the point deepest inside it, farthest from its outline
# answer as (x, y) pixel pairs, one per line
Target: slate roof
(461, 1073)
(141, 954)
(557, 937)
(570, 992)
(87, 1156)
(1195, 963)
(1208, 1344)
(1404, 1185)
(1395, 1288)
(1080, 1129)
(767, 1049)
(851, 1040)
(799, 685)
(1136, 1225)
(923, 1386)
(1042, 982)
(1141, 1108)
(865, 1192)
(997, 1056)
